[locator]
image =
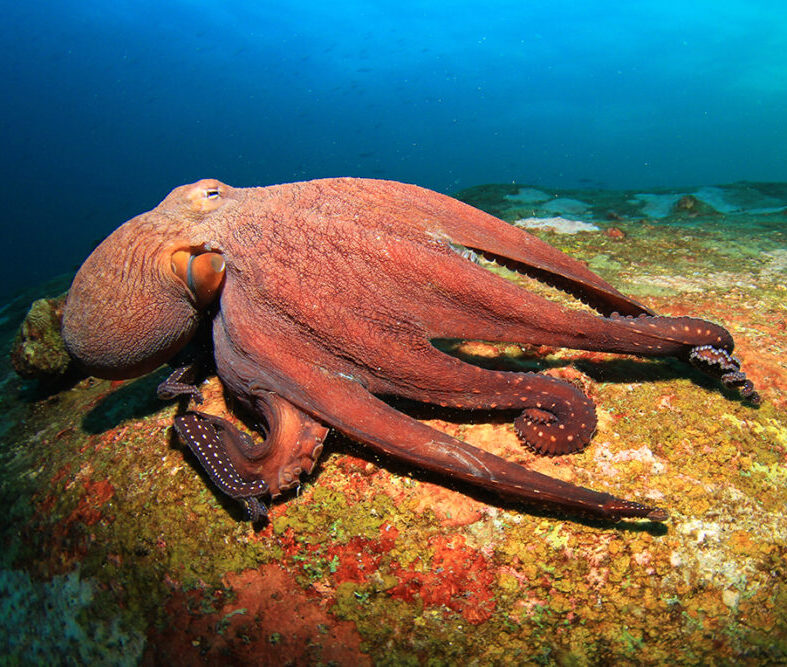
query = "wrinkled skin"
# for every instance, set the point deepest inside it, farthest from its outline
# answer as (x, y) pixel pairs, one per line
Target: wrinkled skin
(326, 295)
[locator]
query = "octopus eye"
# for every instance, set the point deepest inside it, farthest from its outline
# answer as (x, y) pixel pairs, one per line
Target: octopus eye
(203, 274)
(213, 193)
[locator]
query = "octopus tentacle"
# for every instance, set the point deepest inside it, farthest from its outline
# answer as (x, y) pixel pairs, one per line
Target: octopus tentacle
(507, 312)
(556, 417)
(179, 384)
(237, 465)
(668, 335)
(718, 363)
(483, 234)
(293, 444)
(212, 439)
(368, 419)
(243, 469)
(486, 306)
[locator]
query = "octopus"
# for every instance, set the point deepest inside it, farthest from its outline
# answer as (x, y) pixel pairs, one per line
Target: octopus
(324, 300)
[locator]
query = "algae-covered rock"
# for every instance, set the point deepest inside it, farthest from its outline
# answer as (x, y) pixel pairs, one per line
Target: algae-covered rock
(38, 351)
(114, 536)
(692, 207)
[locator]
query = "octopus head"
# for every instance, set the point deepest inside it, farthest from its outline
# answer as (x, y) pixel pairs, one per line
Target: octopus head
(138, 298)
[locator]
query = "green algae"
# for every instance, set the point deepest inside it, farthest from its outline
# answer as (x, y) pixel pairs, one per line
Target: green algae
(361, 519)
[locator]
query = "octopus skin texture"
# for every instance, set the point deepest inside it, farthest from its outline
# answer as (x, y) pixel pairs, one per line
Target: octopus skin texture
(325, 296)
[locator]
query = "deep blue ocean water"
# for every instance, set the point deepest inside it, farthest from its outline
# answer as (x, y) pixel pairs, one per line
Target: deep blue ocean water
(106, 106)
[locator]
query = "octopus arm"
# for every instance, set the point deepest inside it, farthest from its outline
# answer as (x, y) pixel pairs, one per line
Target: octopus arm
(518, 250)
(368, 207)
(243, 468)
(366, 418)
(343, 402)
(461, 299)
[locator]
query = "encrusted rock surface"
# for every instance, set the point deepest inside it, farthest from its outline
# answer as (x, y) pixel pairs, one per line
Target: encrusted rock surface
(369, 563)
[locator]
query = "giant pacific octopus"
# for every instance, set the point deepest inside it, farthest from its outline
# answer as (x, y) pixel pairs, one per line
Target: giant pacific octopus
(325, 297)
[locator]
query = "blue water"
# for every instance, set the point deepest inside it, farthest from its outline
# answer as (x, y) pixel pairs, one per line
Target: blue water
(108, 105)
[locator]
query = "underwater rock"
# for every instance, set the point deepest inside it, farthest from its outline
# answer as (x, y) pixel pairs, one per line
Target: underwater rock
(93, 477)
(656, 205)
(743, 197)
(38, 352)
(692, 207)
(528, 196)
(566, 206)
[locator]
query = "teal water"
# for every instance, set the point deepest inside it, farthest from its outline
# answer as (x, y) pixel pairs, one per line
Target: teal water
(108, 106)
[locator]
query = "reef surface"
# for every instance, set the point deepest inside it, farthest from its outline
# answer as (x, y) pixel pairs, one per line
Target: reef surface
(119, 550)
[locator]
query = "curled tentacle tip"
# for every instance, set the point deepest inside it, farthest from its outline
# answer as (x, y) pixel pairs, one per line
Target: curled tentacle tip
(723, 366)
(751, 395)
(255, 510)
(535, 438)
